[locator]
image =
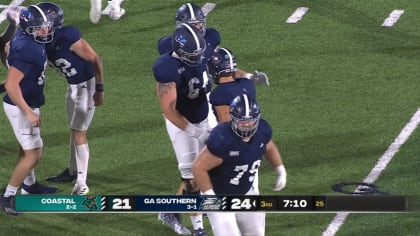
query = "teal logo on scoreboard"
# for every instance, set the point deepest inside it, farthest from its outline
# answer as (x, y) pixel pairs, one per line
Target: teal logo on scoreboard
(57, 203)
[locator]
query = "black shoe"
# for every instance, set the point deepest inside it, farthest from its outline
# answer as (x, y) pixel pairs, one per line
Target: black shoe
(64, 176)
(6, 203)
(37, 188)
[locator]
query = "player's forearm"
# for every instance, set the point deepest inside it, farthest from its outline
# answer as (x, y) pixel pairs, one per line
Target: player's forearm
(272, 155)
(176, 118)
(98, 69)
(15, 95)
(203, 180)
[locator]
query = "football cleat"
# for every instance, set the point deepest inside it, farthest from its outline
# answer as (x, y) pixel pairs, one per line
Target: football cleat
(173, 220)
(6, 203)
(80, 190)
(95, 10)
(107, 9)
(64, 176)
(200, 232)
(114, 10)
(36, 188)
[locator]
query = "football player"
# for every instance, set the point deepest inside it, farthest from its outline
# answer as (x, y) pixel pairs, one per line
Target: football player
(192, 14)
(221, 68)
(113, 10)
(228, 163)
(83, 70)
(181, 91)
(24, 85)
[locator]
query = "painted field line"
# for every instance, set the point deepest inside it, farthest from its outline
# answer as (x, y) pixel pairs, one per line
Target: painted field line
(405, 133)
(393, 17)
(297, 15)
(13, 3)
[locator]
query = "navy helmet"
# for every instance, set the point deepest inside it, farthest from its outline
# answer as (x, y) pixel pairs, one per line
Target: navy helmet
(192, 14)
(33, 19)
(53, 12)
(222, 63)
(245, 115)
(188, 44)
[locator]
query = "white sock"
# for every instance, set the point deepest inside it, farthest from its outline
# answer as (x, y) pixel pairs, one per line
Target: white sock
(197, 221)
(72, 163)
(30, 179)
(82, 163)
(10, 191)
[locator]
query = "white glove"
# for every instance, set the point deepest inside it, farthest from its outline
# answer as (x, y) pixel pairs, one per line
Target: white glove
(260, 78)
(13, 14)
(208, 192)
(201, 134)
(281, 178)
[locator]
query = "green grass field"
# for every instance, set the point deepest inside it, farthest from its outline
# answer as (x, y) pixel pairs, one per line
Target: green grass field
(341, 89)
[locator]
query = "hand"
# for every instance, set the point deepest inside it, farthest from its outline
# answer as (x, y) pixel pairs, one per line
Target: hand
(98, 98)
(260, 77)
(199, 133)
(34, 119)
(281, 178)
(13, 15)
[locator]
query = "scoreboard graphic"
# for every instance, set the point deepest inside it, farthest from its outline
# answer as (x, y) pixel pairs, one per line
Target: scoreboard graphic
(196, 203)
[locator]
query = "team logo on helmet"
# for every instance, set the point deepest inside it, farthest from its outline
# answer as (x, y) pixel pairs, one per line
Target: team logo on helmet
(180, 40)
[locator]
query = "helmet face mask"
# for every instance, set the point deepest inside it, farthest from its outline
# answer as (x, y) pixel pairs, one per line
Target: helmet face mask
(35, 23)
(245, 115)
(191, 14)
(222, 63)
(189, 45)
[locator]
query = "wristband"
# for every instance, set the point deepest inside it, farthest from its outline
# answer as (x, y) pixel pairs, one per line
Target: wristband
(99, 88)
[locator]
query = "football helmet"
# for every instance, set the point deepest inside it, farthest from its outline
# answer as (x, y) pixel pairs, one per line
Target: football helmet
(188, 44)
(221, 63)
(192, 14)
(32, 20)
(245, 115)
(53, 12)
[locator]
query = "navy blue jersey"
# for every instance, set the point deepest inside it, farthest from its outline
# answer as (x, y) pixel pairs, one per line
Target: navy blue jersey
(224, 93)
(212, 38)
(30, 58)
(241, 159)
(75, 69)
(191, 96)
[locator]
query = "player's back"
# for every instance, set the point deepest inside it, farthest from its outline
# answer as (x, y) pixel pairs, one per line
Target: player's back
(73, 67)
(224, 93)
(29, 57)
(240, 159)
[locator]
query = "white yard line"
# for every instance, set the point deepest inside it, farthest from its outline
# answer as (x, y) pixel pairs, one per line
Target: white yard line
(297, 15)
(405, 133)
(393, 17)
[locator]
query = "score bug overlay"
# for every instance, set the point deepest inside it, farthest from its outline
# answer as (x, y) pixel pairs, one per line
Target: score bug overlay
(207, 203)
